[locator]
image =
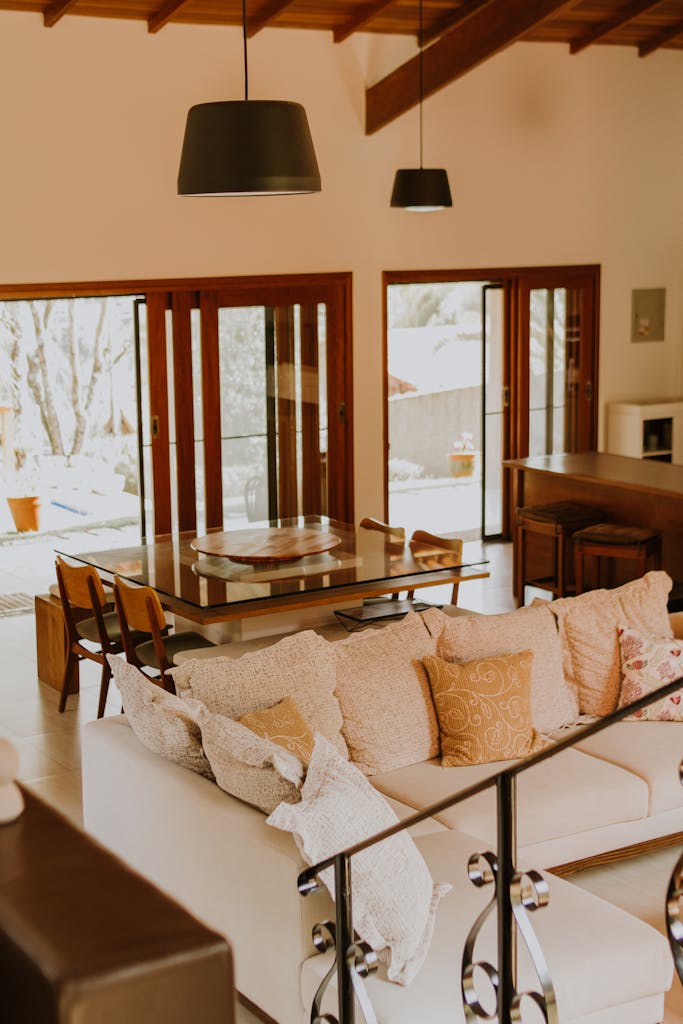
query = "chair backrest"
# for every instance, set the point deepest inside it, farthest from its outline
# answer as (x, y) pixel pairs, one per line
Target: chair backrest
(80, 585)
(139, 607)
(431, 543)
(394, 532)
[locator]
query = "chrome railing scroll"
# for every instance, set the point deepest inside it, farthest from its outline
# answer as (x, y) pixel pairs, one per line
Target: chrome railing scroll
(516, 895)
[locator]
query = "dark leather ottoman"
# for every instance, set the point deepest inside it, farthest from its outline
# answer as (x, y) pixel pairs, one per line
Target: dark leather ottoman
(84, 940)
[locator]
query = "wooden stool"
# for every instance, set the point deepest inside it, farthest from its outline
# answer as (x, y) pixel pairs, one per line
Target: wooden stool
(614, 541)
(557, 521)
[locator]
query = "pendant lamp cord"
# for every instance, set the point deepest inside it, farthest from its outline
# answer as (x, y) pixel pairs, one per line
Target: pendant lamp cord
(419, 43)
(244, 45)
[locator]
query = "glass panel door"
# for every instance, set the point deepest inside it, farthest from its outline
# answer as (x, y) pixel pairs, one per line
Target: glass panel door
(494, 405)
(556, 371)
(436, 369)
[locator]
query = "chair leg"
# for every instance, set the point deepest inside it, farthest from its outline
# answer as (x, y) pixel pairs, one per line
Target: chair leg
(104, 688)
(578, 570)
(520, 563)
(71, 662)
(454, 595)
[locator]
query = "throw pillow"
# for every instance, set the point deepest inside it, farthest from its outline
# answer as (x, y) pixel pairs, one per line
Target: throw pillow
(468, 637)
(648, 662)
(484, 708)
(251, 768)
(588, 627)
(383, 692)
(159, 719)
(282, 724)
(394, 897)
(300, 666)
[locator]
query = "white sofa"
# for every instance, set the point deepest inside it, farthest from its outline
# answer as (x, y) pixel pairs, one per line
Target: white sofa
(218, 857)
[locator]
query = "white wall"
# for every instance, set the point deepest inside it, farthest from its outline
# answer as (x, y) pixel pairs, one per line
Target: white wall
(552, 159)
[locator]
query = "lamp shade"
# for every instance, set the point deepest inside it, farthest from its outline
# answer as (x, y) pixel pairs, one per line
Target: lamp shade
(246, 148)
(422, 189)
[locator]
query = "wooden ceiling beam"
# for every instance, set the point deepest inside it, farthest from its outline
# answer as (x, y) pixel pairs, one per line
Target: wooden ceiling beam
(54, 12)
(159, 18)
(451, 20)
(603, 28)
(270, 11)
(491, 29)
(667, 35)
(359, 19)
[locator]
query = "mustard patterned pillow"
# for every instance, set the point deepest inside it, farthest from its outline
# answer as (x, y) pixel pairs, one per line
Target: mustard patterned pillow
(484, 708)
(282, 724)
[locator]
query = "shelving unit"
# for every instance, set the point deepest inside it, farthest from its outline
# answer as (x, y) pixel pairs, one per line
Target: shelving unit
(646, 430)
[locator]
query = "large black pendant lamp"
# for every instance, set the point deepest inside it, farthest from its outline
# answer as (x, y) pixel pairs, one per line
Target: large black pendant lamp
(421, 189)
(247, 147)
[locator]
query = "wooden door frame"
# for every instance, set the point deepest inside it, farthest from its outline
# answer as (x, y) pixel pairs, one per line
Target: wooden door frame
(513, 281)
(334, 289)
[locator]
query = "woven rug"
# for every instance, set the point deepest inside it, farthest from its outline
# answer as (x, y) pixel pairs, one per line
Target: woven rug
(14, 604)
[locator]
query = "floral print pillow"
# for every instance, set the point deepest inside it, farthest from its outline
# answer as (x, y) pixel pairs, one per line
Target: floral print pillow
(648, 662)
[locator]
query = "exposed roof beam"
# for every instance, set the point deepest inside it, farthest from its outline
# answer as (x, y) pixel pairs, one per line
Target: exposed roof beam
(603, 28)
(165, 13)
(360, 18)
(55, 11)
(661, 39)
(451, 20)
(260, 20)
(492, 29)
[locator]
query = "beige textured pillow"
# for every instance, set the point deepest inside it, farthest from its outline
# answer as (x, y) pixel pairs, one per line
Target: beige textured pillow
(300, 666)
(383, 691)
(484, 708)
(159, 719)
(468, 637)
(394, 897)
(589, 627)
(253, 769)
(282, 724)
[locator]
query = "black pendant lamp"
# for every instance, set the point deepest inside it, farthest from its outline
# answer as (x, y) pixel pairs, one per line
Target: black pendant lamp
(247, 147)
(421, 189)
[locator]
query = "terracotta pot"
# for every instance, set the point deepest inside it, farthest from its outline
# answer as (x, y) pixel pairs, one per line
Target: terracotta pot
(461, 463)
(25, 513)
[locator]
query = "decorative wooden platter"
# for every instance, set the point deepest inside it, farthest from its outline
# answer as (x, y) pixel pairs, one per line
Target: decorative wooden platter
(267, 545)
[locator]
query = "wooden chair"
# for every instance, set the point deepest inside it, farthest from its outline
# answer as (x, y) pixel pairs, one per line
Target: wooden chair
(396, 539)
(607, 543)
(427, 546)
(139, 610)
(81, 589)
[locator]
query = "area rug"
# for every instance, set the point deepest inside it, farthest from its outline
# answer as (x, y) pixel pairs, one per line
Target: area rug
(13, 604)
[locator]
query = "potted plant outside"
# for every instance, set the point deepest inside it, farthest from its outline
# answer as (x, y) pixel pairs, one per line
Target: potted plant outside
(23, 496)
(462, 458)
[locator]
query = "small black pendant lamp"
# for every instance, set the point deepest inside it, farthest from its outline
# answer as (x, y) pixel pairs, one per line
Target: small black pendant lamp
(247, 147)
(421, 189)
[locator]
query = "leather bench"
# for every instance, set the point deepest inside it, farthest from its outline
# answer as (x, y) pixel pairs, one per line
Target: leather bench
(84, 938)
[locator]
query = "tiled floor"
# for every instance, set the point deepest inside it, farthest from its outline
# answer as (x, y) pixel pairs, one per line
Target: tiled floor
(49, 743)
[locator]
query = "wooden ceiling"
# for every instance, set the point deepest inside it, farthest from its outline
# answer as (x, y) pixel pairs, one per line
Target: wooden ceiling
(457, 34)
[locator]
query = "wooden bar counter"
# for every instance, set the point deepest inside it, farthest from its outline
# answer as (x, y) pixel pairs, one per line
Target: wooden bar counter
(622, 490)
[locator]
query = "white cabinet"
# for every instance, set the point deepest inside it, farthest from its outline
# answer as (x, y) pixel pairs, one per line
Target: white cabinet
(646, 430)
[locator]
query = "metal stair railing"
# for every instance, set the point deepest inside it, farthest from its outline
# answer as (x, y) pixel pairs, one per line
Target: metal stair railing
(515, 894)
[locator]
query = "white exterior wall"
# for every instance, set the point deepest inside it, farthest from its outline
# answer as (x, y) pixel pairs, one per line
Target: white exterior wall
(552, 159)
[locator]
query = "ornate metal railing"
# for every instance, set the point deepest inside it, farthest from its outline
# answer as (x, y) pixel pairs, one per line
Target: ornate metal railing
(515, 895)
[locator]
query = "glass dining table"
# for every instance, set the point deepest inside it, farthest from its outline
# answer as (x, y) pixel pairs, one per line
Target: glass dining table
(345, 564)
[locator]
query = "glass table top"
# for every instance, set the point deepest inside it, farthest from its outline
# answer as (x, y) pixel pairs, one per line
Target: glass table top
(173, 566)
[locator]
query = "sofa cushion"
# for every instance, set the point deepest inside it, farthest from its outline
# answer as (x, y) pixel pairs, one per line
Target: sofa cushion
(282, 724)
(301, 666)
(383, 691)
(534, 628)
(255, 770)
(648, 662)
(588, 627)
(600, 958)
(483, 708)
(569, 793)
(159, 719)
(395, 899)
(650, 750)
